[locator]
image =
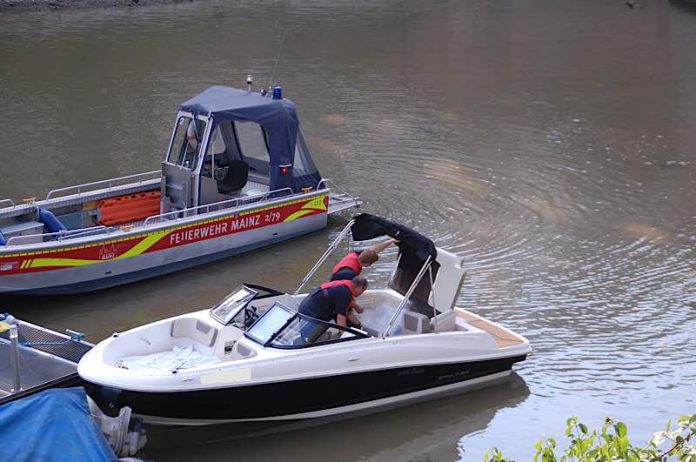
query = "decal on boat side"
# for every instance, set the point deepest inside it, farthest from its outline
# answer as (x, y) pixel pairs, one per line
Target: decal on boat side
(132, 246)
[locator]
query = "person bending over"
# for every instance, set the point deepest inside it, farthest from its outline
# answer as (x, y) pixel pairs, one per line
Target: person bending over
(352, 264)
(332, 301)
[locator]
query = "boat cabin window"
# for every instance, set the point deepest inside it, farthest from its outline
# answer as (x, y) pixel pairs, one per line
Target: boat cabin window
(232, 305)
(253, 145)
(187, 142)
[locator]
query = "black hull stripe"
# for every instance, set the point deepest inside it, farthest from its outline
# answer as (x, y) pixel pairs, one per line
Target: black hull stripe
(299, 396)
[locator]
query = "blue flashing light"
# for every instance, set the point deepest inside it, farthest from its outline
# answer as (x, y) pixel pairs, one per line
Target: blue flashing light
(277, 93)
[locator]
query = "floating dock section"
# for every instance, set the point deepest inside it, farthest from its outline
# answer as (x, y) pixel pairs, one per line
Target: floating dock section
(33, 358)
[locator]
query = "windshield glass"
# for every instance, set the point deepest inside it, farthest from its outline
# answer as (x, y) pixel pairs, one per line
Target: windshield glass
(186, 143)
(270, 323)
(281, 327)
(305, 332)
(228, 308)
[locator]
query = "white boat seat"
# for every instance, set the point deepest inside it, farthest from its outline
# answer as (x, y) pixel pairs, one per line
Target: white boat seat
(195, 330)
(243, 351)
(415, 323)
(444, 322)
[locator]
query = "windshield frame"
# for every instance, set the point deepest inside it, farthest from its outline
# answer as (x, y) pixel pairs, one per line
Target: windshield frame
(269, 341)
(242, 303)
(173, 153)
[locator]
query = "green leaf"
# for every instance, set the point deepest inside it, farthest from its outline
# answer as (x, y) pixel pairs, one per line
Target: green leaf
(611, 444)
(623, 445)
(620, 428)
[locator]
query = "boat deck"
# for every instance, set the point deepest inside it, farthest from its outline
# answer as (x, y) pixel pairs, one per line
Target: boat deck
(503, 337)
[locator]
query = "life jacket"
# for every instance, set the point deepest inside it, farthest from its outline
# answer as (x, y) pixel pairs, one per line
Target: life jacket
(350, 261)
(342, 282)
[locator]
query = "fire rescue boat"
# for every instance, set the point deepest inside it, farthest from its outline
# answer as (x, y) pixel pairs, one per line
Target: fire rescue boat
(238, 175)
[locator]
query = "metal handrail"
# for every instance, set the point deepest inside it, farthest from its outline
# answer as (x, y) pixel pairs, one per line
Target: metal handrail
(408, 294)
(85, 232)
(109, 184)
(14, 358)
(326, 181)
(10, 201)
(60, 235)
(229, 203)
(328, 252)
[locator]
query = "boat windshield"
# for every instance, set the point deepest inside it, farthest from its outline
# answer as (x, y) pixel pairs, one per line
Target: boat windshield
(232, 305)
(186, 142)
(280, 327)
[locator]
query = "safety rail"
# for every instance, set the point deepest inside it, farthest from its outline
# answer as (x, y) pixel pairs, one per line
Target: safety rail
(26, 343)
(344, 232)
(8, 201)
(107, 184)
(59, 235)
(226, 204)
(327, 181)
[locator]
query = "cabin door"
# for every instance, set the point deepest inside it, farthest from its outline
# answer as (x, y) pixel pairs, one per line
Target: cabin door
(180, 180)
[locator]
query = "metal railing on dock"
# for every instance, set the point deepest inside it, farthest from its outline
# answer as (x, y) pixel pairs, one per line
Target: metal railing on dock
(34, 358)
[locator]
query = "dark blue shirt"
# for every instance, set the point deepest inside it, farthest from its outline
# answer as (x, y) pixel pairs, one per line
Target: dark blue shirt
(326, 304)
(344, 273)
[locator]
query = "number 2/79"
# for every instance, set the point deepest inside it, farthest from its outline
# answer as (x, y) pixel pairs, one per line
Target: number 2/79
(272, 217)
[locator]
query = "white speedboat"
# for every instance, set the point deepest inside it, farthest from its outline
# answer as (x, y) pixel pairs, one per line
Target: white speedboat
(249, 358)
(237, 175)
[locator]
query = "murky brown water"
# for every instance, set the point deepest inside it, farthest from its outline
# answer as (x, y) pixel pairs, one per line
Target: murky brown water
(553, 144)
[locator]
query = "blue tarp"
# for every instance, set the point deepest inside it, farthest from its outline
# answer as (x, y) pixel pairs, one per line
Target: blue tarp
(279, 119)
(54, 425)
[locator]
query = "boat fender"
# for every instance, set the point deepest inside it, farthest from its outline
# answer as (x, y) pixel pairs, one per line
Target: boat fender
(52, 224)
(3, 241)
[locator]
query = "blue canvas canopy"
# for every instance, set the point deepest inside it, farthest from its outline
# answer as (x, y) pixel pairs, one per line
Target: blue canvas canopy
(278, 117)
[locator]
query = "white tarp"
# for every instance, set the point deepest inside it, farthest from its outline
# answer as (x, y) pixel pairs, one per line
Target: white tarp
(184, 357)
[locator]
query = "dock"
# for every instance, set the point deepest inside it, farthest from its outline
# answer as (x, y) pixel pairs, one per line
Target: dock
(34, 358)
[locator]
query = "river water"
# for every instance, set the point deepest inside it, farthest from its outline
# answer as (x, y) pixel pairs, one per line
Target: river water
(550, 143)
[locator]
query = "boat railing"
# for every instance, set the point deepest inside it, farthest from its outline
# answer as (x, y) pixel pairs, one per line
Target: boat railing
(103, 184)
(5, 203)
(327, 181)
(226, 204)
(58, 235)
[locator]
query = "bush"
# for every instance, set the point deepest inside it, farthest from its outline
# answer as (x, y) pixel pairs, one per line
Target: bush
(611, 444)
